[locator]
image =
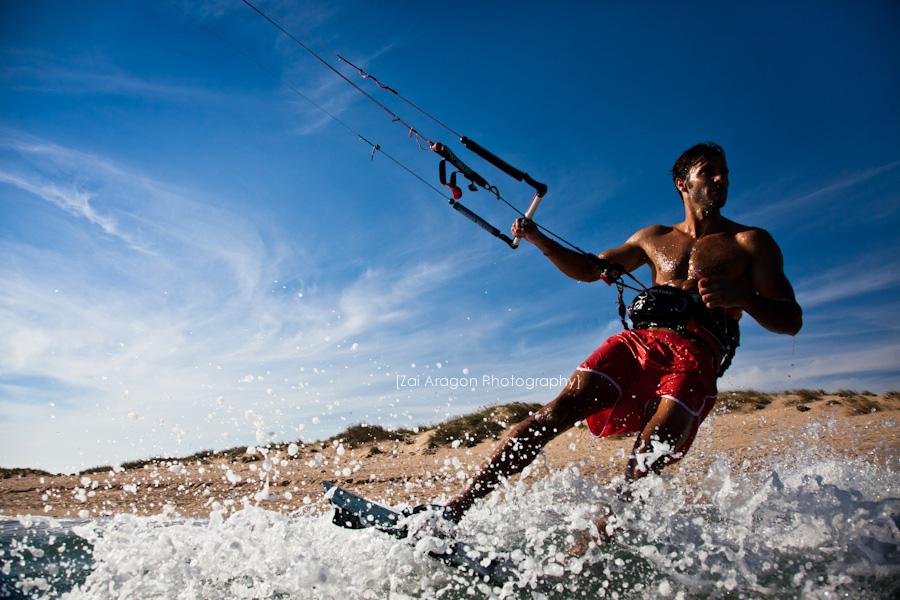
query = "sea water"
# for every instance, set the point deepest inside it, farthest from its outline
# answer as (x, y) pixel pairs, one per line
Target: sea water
(806, 525)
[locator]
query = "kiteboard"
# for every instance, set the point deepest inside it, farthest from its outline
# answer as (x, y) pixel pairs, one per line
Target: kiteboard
(354, 512)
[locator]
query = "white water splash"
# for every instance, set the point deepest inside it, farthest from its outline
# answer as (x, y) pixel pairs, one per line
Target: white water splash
(805, 526)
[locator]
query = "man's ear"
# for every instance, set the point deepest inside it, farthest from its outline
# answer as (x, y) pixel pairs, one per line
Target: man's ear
(680, 185)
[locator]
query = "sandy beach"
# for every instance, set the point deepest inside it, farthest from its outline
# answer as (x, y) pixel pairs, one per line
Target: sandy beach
(746, 428)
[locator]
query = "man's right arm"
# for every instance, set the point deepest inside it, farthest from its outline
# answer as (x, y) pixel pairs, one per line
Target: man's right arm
(576, 265)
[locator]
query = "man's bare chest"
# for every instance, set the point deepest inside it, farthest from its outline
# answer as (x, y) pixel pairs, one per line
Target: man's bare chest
(677, 257)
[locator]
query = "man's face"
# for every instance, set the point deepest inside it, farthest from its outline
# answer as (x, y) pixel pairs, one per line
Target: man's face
(706, 186)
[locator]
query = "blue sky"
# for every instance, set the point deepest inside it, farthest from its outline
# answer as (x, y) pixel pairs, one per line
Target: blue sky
(194, 257)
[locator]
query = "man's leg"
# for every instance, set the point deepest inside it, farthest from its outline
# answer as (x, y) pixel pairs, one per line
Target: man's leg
(585, 394)
(670, 423)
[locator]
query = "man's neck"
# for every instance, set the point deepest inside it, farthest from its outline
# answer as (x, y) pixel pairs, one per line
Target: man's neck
(699, 222)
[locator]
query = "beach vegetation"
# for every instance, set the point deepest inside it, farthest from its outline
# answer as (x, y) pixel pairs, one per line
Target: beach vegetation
(468, 430)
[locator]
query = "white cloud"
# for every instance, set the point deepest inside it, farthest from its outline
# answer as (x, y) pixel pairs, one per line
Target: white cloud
(134, 347)
(27, 71)
(769, 371)
(849, 281)
(72, 200)
(802, 204)
(161, 334)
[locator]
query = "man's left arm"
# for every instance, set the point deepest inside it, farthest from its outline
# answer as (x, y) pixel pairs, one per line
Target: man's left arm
(770, 301)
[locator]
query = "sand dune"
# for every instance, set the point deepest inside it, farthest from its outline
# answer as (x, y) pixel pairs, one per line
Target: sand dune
(747, 428)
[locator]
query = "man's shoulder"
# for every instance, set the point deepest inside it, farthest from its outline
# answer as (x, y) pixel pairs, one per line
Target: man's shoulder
(751, 236)
(652, 231)
(748, 231)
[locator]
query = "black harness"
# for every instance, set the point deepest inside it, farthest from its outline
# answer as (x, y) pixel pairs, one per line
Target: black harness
(677, 309)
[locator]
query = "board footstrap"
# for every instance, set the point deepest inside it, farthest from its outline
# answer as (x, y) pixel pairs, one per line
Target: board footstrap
(348, 520)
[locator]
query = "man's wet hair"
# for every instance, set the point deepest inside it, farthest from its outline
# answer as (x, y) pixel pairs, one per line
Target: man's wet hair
(694, 155)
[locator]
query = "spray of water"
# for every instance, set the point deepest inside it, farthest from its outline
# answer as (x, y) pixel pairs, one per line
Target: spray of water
(807, 524)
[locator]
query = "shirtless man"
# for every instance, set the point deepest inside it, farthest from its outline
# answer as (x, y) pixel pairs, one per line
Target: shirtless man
(659, 378)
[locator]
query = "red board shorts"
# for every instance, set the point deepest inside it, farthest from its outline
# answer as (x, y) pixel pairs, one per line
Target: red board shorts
(645, 363)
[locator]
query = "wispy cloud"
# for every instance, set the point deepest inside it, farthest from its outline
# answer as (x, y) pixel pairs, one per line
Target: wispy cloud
(868, 366)
(156, 338)
(144, 213)
(225, 329)
(316, 88)
(72, 200)
(303, 18)
(849, 281)
(26, 71)
(327, 90)
(843, 184)
(801, 204)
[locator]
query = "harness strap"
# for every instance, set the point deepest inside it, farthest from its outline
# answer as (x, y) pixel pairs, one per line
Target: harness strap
(682, 311)
(620, 304)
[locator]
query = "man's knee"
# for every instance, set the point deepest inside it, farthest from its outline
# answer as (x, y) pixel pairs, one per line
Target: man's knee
(585, 394)
(548, 422)
(561, 413)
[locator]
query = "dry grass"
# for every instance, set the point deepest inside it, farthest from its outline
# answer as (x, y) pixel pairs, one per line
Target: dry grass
(476, 427)
(357, 435)
(17, 472)
(202, 456)
(490, 422)
(804, 396)
(742, 401)
(860, 405)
